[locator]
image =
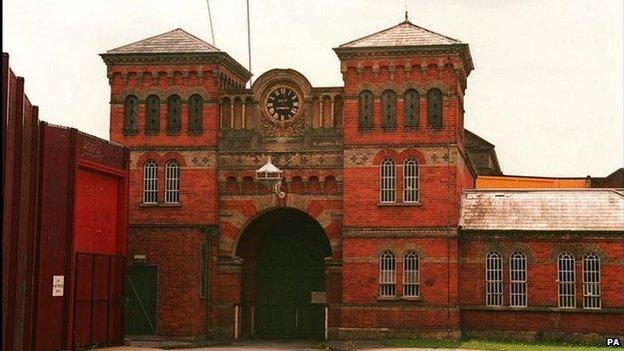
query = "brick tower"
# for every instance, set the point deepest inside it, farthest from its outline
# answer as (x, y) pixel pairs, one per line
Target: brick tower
(404, 169)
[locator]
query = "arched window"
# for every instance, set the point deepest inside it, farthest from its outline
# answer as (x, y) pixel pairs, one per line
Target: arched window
(387, 193)
(493, 279)
(411, 283)
(591, 281)
(365, 107)
(152, 113)
(434, 108)
(131, 107)
(387, 274)
(172, 182)
(150, 182)
(410, 180)
(388, 109)
(195, 113)
(314, 185)
(231, 185)
(411, 101)
(174, 105)
(517, 279)
(248, 186)
(566, 278)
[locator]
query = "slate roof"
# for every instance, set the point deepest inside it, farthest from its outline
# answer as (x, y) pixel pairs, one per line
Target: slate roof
(403, 34)
(543, 210)
(175, 41)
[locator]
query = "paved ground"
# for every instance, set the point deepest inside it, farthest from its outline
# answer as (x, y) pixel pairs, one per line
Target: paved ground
(283, 345)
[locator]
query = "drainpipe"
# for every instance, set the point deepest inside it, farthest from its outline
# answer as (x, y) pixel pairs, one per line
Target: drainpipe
(208, 234)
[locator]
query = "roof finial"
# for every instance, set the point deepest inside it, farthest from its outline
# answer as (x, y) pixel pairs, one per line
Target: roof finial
(406, 20)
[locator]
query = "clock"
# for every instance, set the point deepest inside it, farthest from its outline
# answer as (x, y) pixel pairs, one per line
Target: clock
(282, 103)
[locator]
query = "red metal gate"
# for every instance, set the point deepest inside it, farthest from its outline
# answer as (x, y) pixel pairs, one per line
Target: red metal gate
(98, 299)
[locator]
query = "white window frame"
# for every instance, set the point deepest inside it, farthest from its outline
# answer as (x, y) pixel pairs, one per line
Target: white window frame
(387, 274)
(591, 281)
(411, 274)
(566, 280)
(150, 182)
(493, 279)
(410, 181)
(517, 279)
(172, 182)
(387, 185)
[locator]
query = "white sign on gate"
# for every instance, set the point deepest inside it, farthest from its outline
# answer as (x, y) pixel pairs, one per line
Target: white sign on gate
(58, 283)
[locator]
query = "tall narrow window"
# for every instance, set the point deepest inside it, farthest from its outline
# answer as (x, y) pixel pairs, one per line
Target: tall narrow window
(365, 106)
(387, 274)
(203, 270)
(152, 113)
(411, 101)
(172, 183)
(131, 107)
(411, 283)
(434, 108)
(150, 182)
(410, 180)
(195, 113)
(591, 281)
(517, 280)
(174, 105)
(388, 109)
(388, 181)
(566, 279)
(494, 279)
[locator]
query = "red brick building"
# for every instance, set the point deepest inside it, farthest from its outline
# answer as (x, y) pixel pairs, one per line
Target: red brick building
(367, 240)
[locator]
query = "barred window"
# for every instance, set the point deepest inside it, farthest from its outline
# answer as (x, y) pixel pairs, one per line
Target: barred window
(518, 280)
(566, 280)
(494, 279)
(411, 101)
(365, 107)
(174, 104)
(388, 109)
(411, 283)
(591, 281)
(410, 180)
(150, 182)
(195, 112)
(387, 274)
(388, 181)
(131, 106)
(152, 113)
(434, 108)
(172, 182)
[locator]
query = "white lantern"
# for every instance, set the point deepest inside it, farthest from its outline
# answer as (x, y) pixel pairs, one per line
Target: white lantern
(270, 175)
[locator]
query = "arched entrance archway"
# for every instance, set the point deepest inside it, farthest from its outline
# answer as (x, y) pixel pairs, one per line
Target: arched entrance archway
(283, 251)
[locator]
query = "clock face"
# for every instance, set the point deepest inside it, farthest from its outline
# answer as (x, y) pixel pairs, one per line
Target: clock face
(282, 103)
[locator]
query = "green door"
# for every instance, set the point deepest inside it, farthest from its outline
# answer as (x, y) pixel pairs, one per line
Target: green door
(141, 296)
(290, 267)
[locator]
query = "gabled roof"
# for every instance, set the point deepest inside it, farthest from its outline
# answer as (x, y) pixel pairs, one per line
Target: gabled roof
(543, 210)
(403, 34)
(175, 41)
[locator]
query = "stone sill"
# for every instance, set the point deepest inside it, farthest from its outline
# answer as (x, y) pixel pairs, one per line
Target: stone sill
(543, 309)
(399, 298)
(160, 204)
(398, 204)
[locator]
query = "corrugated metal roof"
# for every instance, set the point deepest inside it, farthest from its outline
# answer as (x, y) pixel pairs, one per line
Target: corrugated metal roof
(545, 210)
(403, 34)
(175, 41)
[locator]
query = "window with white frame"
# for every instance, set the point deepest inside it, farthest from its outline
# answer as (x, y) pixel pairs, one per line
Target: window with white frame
(411, 283)
(172, 182)
(517, 280)
(494, 279)
(591, 281)
(387, 274)
(410, 180)
(150, 182)
(388, 181)
(566, 280)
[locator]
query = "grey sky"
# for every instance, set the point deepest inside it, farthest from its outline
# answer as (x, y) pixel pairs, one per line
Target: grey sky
(547, 89)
